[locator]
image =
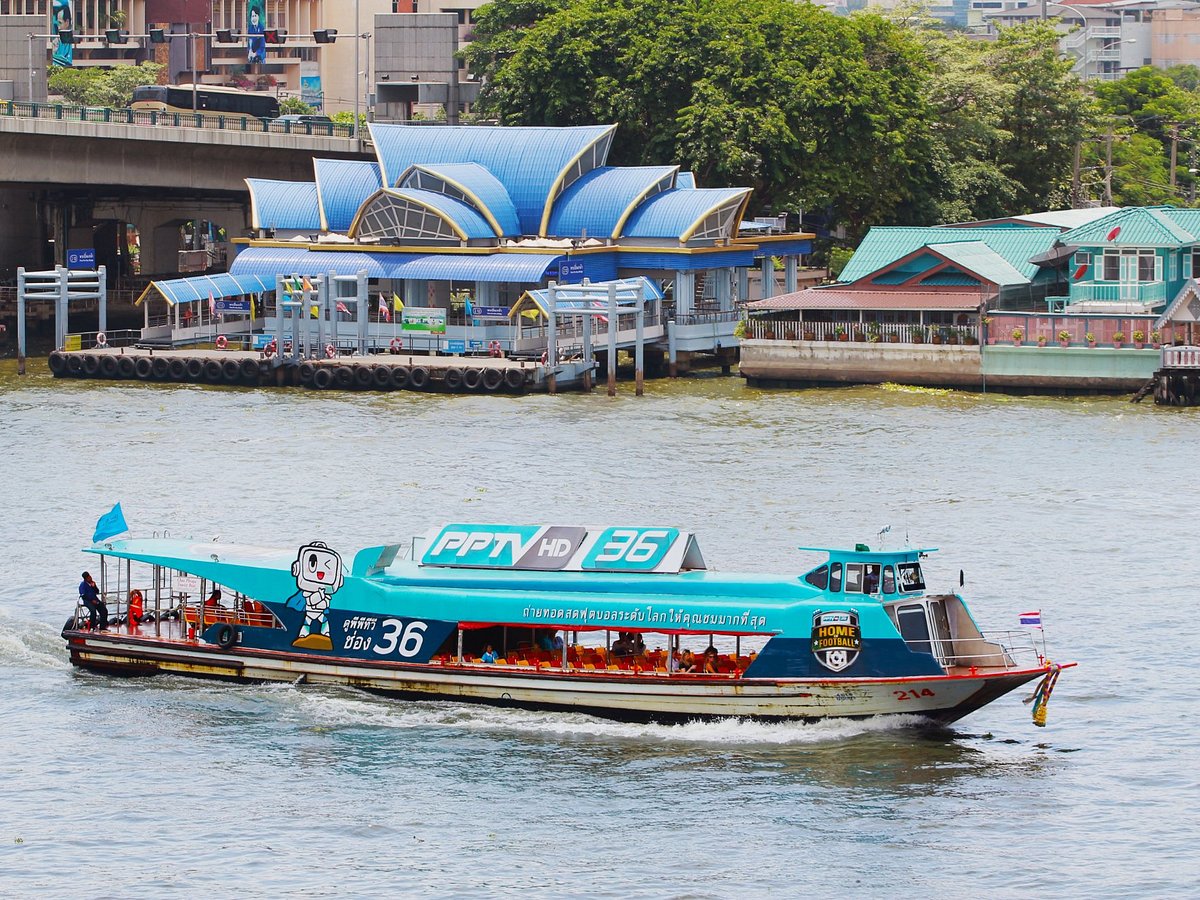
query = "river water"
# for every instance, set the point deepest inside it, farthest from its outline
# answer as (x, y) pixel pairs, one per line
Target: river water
(1084, 508)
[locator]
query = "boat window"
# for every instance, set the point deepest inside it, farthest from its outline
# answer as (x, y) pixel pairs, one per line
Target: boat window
(818, 578)
(910, 577)
(914, 628)
(871, 578)
(889, 580)
(854, 576)
(835, 578)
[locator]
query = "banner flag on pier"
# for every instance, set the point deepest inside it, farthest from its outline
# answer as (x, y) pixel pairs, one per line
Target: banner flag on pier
(383, 308)
(341, 307)
(109, 524)
(397, 303)
(1032, 619)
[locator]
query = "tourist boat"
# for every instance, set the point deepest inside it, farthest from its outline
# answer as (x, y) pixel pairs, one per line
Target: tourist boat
(591, 620)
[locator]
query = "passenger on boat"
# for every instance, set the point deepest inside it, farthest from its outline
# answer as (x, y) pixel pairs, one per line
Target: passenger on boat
(710, 660)
(489, 655)
(551, 640)
(871, 579)
(687, 662)
(89, 596)
(214, 600)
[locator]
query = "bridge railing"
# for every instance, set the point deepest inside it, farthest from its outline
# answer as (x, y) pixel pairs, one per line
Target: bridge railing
(24, 109)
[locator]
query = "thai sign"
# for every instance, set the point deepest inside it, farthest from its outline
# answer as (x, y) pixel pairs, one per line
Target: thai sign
(428, 319)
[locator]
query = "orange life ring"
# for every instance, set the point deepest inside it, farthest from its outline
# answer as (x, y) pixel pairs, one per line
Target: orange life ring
(330, 351)
(545, 356)
(269, 350)
(222, 342)
(397, 344)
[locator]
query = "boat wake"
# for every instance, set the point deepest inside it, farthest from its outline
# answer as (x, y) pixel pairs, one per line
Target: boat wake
(25, 644)
(337, 710)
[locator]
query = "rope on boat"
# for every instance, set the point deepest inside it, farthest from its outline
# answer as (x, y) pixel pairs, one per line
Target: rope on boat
(1040, 698)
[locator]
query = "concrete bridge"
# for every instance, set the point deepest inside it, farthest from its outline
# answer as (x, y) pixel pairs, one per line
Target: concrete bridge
(67, 183)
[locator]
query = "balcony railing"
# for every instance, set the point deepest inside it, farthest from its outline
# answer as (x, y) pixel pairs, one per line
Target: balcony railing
(1151, 292)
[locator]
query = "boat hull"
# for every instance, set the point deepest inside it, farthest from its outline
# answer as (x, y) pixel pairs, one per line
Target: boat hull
(643, 697)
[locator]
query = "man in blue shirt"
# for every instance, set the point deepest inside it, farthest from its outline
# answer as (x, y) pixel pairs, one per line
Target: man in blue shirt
(89, 596)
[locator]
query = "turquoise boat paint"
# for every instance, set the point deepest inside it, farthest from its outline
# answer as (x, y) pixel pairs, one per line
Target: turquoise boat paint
(834, 639)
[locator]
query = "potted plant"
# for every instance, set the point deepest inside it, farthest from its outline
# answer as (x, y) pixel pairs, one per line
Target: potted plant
(1139, 339)
(935, 334)
(1064, 338)
(1018, 335)
(789, 334)
(1155, 338)
(1090, 338)
(809, 334)
(768, 333)
(1118, 339)
(917, 334)
(893, 338)
(1041, 339)
(859, 334)
(873, 332)
(840, 331)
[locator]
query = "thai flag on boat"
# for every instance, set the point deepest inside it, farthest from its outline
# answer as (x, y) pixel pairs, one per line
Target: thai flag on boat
(109, 524)
(1032, 619)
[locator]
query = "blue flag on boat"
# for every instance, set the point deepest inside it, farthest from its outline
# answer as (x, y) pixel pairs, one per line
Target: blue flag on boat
(112, 522)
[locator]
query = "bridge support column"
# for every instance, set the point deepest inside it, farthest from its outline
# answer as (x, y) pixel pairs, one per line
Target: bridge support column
(743, 284)
(639, 352)
(685, 292)
(588, 355)
(613, 325)
(790, 272)
(768, 277)
(552, 341)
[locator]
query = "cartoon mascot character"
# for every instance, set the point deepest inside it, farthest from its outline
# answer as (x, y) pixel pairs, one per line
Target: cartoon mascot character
(318, 572)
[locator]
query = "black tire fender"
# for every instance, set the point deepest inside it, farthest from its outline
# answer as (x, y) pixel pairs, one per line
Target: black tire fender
(212, 371)
(57, 363)
(363, 377)
(453, 379)
(306, 370)
(125, 366)
(91, 364)
(249, 370)
(343, 377)
(418, 377)
(195, 369)
(74, 364)
(322, 378)
(160, 367)
(381, 378)
(472, 378)
(399, 377)
(225, 636)
(143, 368)
(514, 378)
(178, 369)
(492, 379)
(231, 371)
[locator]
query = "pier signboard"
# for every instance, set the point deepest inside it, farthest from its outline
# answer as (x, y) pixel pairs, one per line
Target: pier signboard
(490, 312)
(430, 320)
(232, 305)
(456, 346)
(82, 258)
(571, 271)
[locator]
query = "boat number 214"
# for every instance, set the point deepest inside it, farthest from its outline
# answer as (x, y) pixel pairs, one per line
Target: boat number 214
(401, 639)
(913, 694)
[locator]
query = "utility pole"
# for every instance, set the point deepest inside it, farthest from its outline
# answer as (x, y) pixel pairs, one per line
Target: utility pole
(1076, 187)
(1174, 152)
(1108, 141)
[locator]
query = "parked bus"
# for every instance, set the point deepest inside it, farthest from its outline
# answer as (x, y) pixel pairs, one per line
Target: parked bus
(209, 100)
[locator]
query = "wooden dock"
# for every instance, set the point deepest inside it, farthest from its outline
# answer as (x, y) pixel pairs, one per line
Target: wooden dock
(374, 372)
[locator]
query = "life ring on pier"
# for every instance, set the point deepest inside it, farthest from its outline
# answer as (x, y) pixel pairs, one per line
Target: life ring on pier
(494, 348)
(545, 356)
(101, 339)
(136, 610)
(222, 342)
(269, 350)
(396, 345)
(330, 351)
(225, 636)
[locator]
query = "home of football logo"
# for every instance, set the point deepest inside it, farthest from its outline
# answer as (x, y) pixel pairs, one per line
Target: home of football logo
(836, 638)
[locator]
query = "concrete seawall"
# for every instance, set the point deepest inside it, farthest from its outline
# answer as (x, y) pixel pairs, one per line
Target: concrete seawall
(800, 363)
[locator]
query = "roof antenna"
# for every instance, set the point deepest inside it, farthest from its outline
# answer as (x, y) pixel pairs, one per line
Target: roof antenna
(882, 531)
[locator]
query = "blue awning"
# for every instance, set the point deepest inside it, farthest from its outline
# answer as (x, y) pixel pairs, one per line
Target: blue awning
(201, 287)
(518, 268)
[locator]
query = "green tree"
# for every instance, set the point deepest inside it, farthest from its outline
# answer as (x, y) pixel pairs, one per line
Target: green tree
(102, 87)
(296, 105)
(1044, 117)
(805, 107)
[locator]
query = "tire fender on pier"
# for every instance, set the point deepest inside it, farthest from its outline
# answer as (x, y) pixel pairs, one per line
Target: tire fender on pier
(453, 379)
(418, 377)
(322, 378)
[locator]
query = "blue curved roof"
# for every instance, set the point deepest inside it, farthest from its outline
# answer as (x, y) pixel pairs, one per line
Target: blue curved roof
(466, 218)
(517, 268)
(286, 205)
(672, 214)
(686, 180)
(529, 161)
(342, 186)
(602, 200)
(481, 186)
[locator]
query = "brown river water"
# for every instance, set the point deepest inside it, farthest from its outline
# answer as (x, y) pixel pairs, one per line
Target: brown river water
(1085, 508)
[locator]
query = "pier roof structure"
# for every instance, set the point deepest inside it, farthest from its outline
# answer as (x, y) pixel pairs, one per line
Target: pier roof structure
(460, 191)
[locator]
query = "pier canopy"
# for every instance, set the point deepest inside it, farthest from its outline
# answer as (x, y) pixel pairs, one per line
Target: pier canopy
(342, 187)
(600, 203)
(267, 262)
(472, 184)
(201, 287)
(630, 292)
(284, 205)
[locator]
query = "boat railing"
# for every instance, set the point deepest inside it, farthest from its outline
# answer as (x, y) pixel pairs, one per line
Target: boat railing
(997, 649)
